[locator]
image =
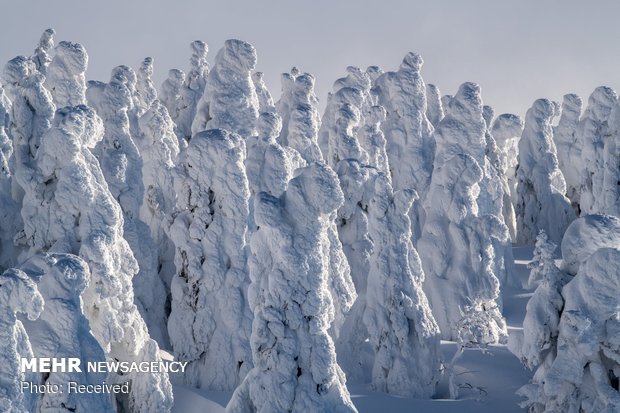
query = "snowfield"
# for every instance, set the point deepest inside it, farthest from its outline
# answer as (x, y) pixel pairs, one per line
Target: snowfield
(403, 251)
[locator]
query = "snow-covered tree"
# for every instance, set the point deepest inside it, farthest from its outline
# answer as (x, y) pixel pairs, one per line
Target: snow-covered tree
(41, 57)
(170, 96)
(569, 144)
(81, 217)
(65, 78)
(584, 236)
(159, 155)
(18, 295)
(145, 89)
(506, 131)
(456, 245)
(295, 366)
(303, 119)
(191, 90)
(409, 134)
(583, 377)
(62, 330)
(30, 117)
(9, 209)
(594, 132)
(117, 103)
(536, 345)
(372, 139)
(397, 316)
(434, 110)
(210, 321)
(265, 100)
(609, 197)
(541, 187)
(230, 101)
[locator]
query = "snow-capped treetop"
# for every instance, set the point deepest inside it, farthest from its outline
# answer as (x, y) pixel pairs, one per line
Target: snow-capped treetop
(410, 144)
(265, 101)
(506, 127)
(19, 295)
(372, 139)
(541, 203)
(434, 111)
(488, 114)
(594, 132)
(445, 103)
(144, 87)
(41, 57)
(159, 155)
(464, 109)
(230, 101)
(584, 236)
(303, 124)
(198, 66)
(374, 72)
(65, 77)
(267, 165)
(32, 111)
(170, 93)
(543, 259)
(568, 144)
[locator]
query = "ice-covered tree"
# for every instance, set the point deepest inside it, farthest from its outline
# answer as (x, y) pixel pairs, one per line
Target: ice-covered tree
(265, 101)
(230, 101)
(65, 78)
(409, 134)
(9, 209)
(584, 374)
(541, 187)
(303, 119)
(594, 132)
(434, 110)
(456, 245)
(81, 217)
(62, 330)
(18, 295)
(536, 344)
(145, 89)
(41, 57)
(159, 156)
(170, 96)
(609, 198)
(401, 328)
(210, 321)
(295, 366)
(116, 102)
(372, 138)
(191, 90)
(568, 144)
(506, 131)
(30, 117)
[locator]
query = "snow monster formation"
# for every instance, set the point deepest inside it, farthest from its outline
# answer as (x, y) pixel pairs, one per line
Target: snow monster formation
(408, 132)
(569, 145)
(458, 243)
(62, 278)
(594, 132)
(210, 321)
(295, 366)
(18, 295)
(581, 364)
(400, 324)
(230, 101)
(81, 217)
(541, 203)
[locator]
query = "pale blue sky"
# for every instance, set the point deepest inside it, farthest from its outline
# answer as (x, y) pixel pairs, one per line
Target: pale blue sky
(516, 50)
